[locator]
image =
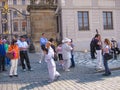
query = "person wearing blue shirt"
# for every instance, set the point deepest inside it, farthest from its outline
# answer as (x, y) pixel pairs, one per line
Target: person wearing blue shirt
(2, 56)
(43, 41)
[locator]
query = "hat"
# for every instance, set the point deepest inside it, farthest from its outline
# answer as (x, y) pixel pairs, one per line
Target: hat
(66, 40)
(22, 36)
(4, 41)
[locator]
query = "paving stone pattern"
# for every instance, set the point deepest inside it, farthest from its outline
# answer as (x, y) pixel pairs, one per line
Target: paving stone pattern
(82, 77)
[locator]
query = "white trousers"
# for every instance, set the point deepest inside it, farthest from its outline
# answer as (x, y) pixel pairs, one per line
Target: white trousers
(53, 73)
(67, 63)
(13, 68)
(42, 55)
(99, 59)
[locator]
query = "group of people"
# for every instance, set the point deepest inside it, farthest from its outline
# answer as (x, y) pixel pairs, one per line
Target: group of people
(100, 49)
(64, 51)
(18, 48)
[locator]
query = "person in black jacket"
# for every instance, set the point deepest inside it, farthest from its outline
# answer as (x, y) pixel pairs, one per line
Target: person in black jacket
(92, 48)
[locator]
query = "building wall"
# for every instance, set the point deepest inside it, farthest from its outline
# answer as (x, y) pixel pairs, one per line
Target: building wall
(20, 18)
(95, 8)
(19, 6)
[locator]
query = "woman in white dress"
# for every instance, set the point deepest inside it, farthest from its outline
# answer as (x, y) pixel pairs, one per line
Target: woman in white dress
(49, 55)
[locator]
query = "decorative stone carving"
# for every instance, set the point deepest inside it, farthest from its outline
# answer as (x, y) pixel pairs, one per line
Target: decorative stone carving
(32, 1)
(48, 2)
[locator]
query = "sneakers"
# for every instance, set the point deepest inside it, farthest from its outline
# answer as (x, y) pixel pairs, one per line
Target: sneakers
(24, 70)
(30, 69)
(16, 75)
(67, 70)
(40, 61)
(57, 77)
(99, 69)
(49, 81)
(13, 75)
(106, 74)
(72, 66)
(10, 76)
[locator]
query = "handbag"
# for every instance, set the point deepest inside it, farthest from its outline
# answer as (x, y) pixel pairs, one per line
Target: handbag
(10, 55)
(108, 56)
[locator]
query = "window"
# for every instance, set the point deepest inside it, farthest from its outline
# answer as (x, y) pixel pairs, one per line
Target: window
(23, 2)
(24, 26)
(14, 14)
(83, 20)
(14, 2)
(23, 11)
(107, 20)
(15, 26)
(3, 3)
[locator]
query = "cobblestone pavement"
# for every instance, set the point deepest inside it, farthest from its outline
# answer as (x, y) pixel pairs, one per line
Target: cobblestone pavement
(82, 77)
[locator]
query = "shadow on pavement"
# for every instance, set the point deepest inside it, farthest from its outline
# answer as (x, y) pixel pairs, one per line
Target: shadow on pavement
(38, 78)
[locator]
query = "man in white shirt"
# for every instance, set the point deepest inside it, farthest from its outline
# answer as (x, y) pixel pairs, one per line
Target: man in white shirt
(23, 46)
(66, 53)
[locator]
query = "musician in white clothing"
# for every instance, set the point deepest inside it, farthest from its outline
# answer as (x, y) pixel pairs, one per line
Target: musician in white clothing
(49, 55)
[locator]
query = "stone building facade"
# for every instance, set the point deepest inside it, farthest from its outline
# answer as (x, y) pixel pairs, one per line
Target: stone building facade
(16, 22)
(79, 19)
(43, 20)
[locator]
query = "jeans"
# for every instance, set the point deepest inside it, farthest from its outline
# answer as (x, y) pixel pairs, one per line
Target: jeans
(107, 70)
(72, 61)
(7, 60)
(92, 52)
(2, 63)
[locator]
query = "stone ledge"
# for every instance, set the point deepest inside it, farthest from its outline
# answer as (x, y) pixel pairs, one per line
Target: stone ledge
(41, 7)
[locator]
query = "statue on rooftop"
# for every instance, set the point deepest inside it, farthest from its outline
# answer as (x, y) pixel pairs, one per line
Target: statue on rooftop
(50, 2)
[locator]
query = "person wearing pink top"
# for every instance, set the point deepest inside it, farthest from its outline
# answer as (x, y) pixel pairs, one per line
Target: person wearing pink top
(59, 52)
